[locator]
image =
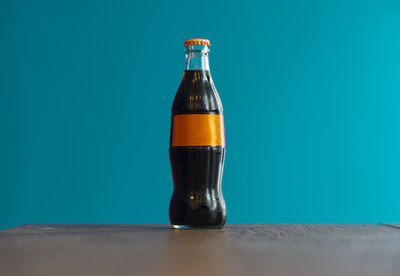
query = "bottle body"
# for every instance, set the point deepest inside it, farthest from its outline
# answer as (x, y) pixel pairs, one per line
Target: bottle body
(197, 154)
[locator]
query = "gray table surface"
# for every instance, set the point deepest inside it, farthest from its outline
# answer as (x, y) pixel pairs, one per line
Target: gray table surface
(262, 249)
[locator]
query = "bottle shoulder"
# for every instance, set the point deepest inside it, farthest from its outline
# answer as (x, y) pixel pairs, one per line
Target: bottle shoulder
(197, 95)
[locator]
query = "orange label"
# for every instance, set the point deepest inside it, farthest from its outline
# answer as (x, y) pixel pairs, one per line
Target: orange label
(198, 130)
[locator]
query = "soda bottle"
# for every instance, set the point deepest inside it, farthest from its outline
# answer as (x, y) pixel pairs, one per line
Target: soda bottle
(197, 145)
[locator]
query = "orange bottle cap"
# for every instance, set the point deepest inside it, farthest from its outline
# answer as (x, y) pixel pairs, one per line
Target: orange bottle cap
(197, 41)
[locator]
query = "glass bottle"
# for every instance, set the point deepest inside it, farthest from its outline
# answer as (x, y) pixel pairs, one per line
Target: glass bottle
(197, 145)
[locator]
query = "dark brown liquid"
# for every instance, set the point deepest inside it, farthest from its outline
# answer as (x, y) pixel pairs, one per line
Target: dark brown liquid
(197, 200)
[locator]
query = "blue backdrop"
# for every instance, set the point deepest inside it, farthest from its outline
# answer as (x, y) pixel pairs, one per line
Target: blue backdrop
(311, 94)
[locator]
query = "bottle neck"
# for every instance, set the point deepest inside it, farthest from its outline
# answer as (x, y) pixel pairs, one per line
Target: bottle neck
(197, 57)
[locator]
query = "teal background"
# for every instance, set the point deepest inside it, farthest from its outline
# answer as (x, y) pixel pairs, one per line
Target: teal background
(311, 95)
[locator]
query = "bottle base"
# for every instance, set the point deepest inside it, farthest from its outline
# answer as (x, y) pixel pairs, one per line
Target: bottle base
(175, 226)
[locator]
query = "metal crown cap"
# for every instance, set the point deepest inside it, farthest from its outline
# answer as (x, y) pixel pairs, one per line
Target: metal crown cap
(197, 41)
